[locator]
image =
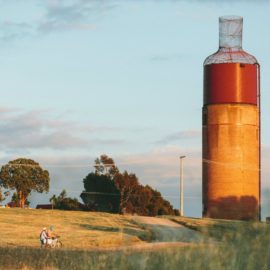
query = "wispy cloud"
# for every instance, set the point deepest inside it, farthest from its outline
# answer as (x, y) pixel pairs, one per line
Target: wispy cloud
(11, 31)
(62, 15)
(179, 136)
(70, 15)
(34, 129)
(55, 16)
(41, 129)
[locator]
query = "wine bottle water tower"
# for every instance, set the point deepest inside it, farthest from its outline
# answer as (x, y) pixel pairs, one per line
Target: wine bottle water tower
(231, 128)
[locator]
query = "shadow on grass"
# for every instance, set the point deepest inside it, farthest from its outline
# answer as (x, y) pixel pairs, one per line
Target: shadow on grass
(164, 233)
(142, 234)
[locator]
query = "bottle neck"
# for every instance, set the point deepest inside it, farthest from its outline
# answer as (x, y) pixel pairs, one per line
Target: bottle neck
(230, 33)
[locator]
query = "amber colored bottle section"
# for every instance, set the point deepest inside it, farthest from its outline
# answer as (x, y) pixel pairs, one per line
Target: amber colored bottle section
(231, 142)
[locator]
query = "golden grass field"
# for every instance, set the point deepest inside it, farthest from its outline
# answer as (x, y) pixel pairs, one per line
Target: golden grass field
(109, 241)
(83, 230)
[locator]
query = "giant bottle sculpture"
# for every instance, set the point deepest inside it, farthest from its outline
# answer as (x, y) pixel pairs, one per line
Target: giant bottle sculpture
(231, 128)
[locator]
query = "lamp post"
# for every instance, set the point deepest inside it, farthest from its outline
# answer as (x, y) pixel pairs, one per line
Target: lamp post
(181, 187)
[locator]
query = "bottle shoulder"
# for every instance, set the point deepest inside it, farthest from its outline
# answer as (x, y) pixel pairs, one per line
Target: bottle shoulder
(230, 56)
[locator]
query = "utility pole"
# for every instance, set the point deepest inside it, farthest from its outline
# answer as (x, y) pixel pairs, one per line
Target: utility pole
(181, 187)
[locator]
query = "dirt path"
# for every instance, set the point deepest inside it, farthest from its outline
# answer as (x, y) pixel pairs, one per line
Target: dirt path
(165, 230)
(166, 234)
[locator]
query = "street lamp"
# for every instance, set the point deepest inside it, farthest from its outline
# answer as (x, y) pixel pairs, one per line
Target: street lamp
(181, 187)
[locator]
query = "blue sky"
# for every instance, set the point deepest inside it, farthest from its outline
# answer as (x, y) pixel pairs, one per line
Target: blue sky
(81, 78)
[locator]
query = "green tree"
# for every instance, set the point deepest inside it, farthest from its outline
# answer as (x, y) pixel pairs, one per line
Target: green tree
(65, 203)
(100, 193)
(15, 199)
(24, 175)
(105, 166)
(62, 195)
(53, 201)
(107, 188)
(70, 204)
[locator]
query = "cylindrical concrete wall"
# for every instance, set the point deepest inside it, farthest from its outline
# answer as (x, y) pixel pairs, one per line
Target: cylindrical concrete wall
(231, 161)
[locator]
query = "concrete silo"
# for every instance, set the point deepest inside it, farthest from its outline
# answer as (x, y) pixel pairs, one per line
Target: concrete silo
(231, 128)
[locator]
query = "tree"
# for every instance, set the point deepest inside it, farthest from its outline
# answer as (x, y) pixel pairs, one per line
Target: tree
(65, 203)
(53, 201)
(24, 175)
(100, 193)
(105, 166)
(139, 199)
(107, 188)
(127, 184)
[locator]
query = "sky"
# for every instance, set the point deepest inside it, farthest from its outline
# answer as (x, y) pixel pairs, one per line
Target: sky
(81, 78)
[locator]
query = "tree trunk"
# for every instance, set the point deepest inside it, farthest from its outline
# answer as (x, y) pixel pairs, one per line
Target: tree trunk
(21, 199)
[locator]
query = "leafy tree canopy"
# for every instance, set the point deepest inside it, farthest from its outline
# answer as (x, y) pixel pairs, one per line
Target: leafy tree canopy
(100, 193)
(63, 202)
(107, 189)
(24, 175)
(105, 166)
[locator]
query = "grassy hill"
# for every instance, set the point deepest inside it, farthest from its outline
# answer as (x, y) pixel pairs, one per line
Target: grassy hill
(104, 241)
(82, 230)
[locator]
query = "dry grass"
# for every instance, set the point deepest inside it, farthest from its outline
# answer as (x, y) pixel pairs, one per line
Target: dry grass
(227, 230)
(233, 245)
(21, 227)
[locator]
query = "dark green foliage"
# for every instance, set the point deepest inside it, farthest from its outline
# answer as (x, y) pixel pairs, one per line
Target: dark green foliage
(109, 190)
(63, 202)
(69, 204)
(100, 193)
(24, 175)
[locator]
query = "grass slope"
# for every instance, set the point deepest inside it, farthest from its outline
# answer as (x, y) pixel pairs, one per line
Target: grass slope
(234, 244)
(81, 230)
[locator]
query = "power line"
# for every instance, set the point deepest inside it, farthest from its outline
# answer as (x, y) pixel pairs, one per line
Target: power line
(75, 165)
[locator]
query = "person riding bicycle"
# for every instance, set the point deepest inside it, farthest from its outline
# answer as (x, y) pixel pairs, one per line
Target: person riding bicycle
(44, 236)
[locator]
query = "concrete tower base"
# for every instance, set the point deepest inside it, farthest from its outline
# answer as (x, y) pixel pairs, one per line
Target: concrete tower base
(231, 161)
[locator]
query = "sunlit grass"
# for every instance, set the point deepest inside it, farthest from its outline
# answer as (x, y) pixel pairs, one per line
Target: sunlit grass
(208, 257)
(226, 245)
(21, 227)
